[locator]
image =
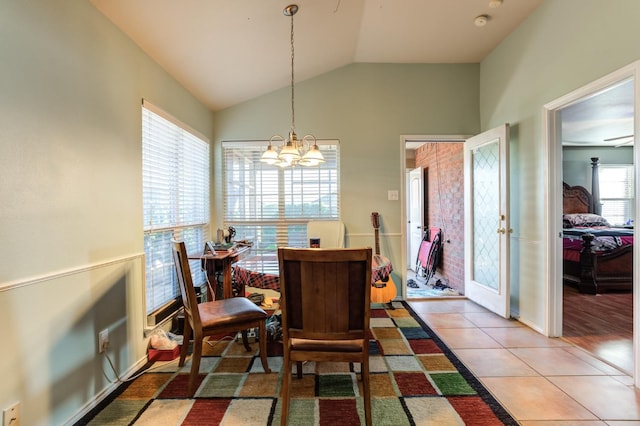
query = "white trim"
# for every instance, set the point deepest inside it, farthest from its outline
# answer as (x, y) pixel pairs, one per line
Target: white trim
(553, 201)
(162, 113)
(265, 142)
(104, 393)
(371, 234)
(434, 138)
(67, 272)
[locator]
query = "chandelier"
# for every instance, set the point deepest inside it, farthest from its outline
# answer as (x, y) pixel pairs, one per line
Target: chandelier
(292, 151)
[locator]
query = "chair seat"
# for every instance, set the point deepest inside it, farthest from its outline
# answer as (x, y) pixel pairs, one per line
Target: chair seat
(229, 311)
(308, 345)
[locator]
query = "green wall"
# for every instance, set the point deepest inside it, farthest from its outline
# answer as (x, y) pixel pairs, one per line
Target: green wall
(576, 163)
(564, 45)
(71, 84)
(71, 258)
(366, 107)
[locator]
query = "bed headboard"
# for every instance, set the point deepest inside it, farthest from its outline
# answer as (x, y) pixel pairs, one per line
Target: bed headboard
(575, 199)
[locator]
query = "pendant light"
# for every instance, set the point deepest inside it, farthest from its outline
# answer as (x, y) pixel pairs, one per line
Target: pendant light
(292, 151)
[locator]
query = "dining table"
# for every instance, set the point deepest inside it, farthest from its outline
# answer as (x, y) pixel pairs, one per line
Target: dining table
(261, 270)
(221, 262)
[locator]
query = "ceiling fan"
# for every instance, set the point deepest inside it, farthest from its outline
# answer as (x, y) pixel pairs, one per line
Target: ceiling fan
(630, 140)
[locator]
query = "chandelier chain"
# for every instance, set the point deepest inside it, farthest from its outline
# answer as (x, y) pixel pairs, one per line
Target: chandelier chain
(293, 114)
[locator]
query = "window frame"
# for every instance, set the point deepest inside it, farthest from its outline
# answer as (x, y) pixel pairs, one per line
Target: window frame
(259, 220)
(627, 201)
(176, 183)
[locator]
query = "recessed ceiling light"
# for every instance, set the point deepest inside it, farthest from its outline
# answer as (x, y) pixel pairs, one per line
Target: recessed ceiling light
(481, 20)
(495, 3)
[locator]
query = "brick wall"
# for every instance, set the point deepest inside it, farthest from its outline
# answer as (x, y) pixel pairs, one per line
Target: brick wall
(444, 183)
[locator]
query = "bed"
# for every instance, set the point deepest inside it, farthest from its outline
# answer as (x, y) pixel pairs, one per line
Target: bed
(597, 257)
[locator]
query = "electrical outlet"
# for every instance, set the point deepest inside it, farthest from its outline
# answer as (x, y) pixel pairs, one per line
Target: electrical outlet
(11, 415)
(103, 340)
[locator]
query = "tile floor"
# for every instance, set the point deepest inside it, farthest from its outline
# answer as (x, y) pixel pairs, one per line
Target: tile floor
(539, 380)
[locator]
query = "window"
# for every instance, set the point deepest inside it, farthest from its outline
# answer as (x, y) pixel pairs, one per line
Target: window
(175, 197)
(271, 206)
(616, 193)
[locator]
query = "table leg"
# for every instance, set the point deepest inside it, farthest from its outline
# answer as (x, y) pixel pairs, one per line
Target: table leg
(227, 282)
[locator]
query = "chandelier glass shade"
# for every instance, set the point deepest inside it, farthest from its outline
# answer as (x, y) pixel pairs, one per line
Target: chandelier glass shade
(292, 151)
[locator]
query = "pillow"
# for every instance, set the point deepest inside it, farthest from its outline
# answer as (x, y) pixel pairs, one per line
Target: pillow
(583, 219)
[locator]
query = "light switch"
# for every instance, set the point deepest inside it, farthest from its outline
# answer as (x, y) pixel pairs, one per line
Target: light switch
(392, 195)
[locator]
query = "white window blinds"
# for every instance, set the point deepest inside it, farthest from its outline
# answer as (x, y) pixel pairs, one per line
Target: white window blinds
(616, 193)
(270, 205)
(175, 196)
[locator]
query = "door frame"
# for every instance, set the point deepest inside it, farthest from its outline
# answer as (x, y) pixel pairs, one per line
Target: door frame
(404, 140)
(553, 186)
(410, 225)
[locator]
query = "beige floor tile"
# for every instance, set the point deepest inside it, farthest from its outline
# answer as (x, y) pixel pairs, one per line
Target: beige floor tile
(625, 380)
(540, 381)
(606, 397)
(493, 363)
(600, 365)
(446, 306)
(522, 337)
(535, 398)
(618, 352)
(555, 362)
(440, 320)
(489, 319)
(466, 338)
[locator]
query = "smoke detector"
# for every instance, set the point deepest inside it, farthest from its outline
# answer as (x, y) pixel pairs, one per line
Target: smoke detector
(495, 3)
(481, 20)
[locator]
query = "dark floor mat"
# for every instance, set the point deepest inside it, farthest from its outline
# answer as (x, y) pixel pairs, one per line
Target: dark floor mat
(412, 283)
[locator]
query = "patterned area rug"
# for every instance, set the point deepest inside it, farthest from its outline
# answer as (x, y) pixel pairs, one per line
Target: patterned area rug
(415, 380)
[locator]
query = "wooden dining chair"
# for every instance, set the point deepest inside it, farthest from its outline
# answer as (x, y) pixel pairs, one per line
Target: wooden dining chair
(214, 318)
(325, 303)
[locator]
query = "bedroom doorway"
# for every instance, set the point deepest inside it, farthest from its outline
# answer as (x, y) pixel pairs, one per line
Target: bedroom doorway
(594, 128)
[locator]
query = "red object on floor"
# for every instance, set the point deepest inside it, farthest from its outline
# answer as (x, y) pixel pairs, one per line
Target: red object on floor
(163, 355)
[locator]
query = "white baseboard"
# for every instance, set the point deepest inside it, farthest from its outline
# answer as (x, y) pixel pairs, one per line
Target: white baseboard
(101, 396)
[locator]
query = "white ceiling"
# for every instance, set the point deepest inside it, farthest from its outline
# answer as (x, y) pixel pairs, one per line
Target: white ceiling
(604, 119)
(229, 51)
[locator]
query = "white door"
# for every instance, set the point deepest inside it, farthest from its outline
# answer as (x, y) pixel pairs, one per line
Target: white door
(487, 231)
(415, 224)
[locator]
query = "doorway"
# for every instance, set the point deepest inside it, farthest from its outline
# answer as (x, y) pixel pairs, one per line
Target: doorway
(594, 122)
(433, 183)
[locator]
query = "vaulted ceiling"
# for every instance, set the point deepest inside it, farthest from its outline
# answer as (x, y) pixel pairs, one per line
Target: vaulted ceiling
(228, 51)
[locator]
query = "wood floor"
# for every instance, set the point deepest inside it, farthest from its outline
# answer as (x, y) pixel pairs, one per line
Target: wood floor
(601, 324)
